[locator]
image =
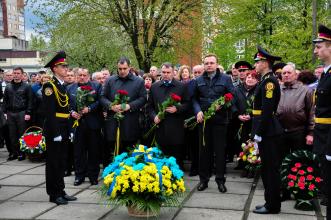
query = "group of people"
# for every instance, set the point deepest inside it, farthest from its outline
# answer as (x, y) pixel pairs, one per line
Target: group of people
(279, 107)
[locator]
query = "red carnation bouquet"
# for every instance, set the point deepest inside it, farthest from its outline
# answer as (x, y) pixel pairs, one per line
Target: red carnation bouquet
(223, 101)
(302, 180)
(300, 174)
(172, 100)
(121, 98)
(84, 97)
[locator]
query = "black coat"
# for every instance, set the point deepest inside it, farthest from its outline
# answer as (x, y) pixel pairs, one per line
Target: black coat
(171, 129)
(94, 117)
(267, 96)
(135, 86)
(18, 97)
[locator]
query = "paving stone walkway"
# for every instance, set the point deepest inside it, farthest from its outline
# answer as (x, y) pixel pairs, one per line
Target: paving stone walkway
(23, 196)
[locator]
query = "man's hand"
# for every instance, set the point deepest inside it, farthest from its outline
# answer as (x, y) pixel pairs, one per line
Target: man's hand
(6, 117)
(257, 138)
(127, 107)
(244, 118)
(157, 120)
(171, 109)
(328, 157)
(104, 114)
(27, 117)
(116, 108)
(75, 115)
(85, 110)
(218, 107)
(309, 139)
(200, 117)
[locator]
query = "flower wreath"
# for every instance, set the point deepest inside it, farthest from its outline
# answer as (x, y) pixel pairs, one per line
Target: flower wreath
(33, 142)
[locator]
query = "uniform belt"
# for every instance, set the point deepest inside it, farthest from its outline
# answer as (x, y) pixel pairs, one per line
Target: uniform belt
(323, 121)
(256, 112)
(62, 115)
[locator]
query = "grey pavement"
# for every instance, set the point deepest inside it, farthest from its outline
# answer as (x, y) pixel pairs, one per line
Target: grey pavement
(23, 196)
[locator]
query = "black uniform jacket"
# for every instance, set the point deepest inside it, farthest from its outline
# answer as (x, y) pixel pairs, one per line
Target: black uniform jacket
(266, 99)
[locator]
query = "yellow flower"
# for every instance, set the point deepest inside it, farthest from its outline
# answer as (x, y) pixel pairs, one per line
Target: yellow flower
(244, 158)
(174, 186)
(135, 188)
(169, 192)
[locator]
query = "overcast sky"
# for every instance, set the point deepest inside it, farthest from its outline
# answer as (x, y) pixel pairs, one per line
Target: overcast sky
(30, 20)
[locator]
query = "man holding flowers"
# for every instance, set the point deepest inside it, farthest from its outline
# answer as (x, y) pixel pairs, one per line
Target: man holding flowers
(123, 118)
(208, 88)
(84, 102)
(173, 95)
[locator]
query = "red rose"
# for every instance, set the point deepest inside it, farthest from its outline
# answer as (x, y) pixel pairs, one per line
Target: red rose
(311, 187)
(310, 177)
(301, 172)
(291, 184)
(318, 180)
(241, 154)
(88, 88)
(289, 176)
(298, 165)
(302, 179)
(122, 92)
(301, 185)
(228, 97)
(310, 169)
(175, 97)
(294, 169)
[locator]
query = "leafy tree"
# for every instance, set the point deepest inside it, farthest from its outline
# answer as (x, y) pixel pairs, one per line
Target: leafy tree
(146, 25)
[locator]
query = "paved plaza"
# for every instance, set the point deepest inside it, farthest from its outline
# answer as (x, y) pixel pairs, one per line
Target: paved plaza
(23, 196)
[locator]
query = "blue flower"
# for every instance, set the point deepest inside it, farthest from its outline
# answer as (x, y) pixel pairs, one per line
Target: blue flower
(120, 158)
(139, 166)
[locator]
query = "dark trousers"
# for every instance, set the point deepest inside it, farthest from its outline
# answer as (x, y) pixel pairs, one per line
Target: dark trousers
(55, 163)
(17, 126)
(175, 151)
(270, 161)
(86, 152)
(292, 141)
(5, 138)
(193, 146)
(70, 155)
(125, 146)
(215, 142)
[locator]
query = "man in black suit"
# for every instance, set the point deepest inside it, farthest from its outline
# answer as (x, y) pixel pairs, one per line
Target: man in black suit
(56, 129)
(87, 132)
(170, 133)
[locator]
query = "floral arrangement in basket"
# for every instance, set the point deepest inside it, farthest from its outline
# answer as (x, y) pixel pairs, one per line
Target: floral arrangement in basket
(250, 156)
(33, 142)
(143, 180)
(300, 174)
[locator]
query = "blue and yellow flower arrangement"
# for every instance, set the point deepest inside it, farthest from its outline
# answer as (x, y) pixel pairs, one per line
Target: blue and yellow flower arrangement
(143, 179)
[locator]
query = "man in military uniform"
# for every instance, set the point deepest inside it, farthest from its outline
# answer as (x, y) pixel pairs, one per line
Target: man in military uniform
(322, 130)
(56, 129)
(266, 130)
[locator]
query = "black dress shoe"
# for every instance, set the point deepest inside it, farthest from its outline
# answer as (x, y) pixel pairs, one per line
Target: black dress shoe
(259, 206)
(78, 182)
(12, 157)
(264, 210)
(58, 201)
(202, 186)
(94, 182)
(67, 173)
(324, 202)
(222, 188)
(69, 198)
(21, 157)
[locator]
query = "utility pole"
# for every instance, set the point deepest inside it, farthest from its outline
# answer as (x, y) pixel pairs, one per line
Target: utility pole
(314, 14)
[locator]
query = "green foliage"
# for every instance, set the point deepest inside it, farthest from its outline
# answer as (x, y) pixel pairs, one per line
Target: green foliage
(282, 26)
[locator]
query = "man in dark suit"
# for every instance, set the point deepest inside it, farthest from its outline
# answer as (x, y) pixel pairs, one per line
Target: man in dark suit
(266, 130)
(87, 133)
(208, 87)
(129, 125)
(56, 129)
(322, 130)
(170, 133)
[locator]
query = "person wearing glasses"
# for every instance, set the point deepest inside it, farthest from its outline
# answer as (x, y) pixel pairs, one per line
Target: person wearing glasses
(208, 87)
